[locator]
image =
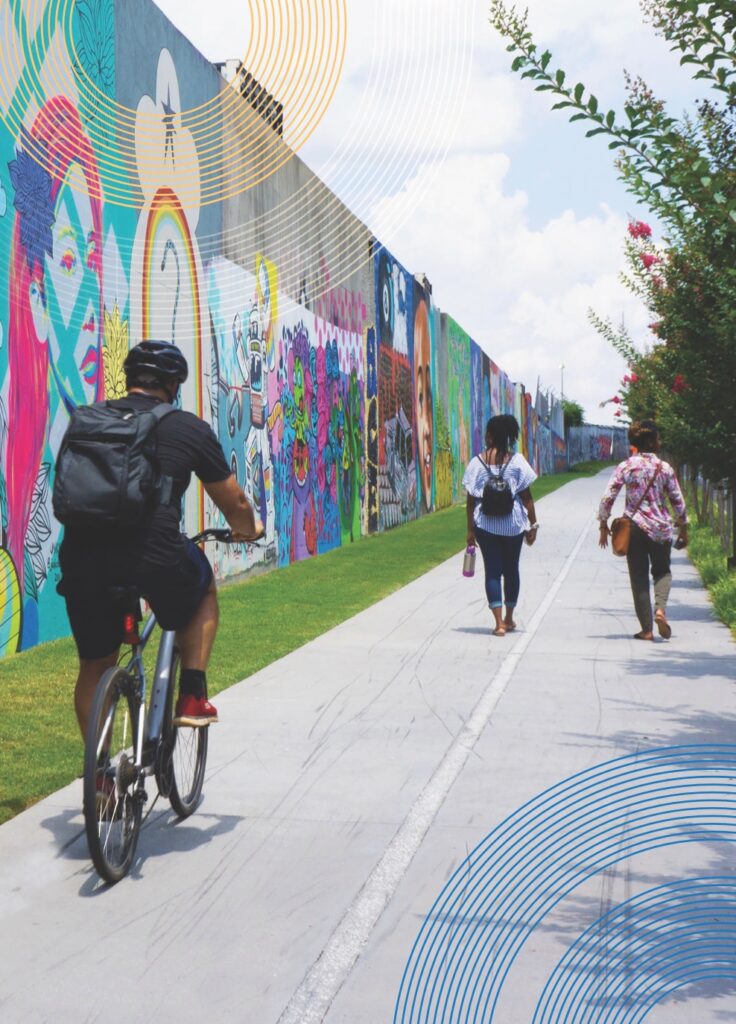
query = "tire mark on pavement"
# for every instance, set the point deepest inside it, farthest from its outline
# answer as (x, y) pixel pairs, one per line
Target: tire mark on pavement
(312, 1000)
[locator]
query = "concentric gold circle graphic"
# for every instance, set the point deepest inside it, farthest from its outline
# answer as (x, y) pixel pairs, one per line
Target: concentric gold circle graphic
(237, 149)
(298, 46)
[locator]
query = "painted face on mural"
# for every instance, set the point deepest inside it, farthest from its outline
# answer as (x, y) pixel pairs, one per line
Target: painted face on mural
(299, 395)
(423, 399)
(72, 285)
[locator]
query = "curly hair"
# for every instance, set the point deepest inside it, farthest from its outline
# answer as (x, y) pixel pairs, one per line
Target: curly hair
(502, 433)
(644, 435)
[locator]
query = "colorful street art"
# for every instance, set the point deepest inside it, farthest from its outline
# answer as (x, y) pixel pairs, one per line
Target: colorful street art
(499, 405)
(317, 439)
(459, 402)
(476, 398)
(344, 407)
(423, 384)
(593, 443)
(397, 475)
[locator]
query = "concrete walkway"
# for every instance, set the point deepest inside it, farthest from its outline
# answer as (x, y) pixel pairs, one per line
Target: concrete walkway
(348, 781)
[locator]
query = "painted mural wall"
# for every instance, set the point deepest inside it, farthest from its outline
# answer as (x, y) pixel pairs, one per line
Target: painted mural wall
(345, 401)
(591, 443)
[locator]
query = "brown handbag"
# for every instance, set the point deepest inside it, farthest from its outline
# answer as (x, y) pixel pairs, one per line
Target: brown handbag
(621, 525)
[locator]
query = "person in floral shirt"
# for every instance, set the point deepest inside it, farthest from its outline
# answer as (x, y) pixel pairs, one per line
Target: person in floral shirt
(648, 480)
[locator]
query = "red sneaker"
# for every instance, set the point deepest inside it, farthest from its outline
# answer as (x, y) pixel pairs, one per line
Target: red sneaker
(194, 711)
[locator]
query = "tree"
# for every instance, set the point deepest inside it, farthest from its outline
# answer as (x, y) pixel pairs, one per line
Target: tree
(573, 413)
(685, 172)
(675, 168)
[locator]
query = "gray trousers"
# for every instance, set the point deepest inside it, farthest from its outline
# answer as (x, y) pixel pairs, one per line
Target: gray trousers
(643, 553)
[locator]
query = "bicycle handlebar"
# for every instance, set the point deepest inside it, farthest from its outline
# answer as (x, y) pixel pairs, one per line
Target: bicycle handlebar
(224, 536)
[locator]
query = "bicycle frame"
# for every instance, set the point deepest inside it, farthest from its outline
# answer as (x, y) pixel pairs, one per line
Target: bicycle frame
(150, 722)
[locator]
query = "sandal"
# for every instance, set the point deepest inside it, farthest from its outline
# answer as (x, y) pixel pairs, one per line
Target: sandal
(643, 636)
(663, 626)
(499, 631)
(509, 626)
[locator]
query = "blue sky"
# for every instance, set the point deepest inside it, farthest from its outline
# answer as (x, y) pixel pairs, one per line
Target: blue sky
(462, 170)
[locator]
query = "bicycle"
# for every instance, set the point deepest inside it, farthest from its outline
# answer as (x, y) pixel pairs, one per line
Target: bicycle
(127, 741)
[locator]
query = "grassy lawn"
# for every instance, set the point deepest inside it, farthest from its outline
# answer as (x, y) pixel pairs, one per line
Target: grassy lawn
(707, 554)
(262, 619)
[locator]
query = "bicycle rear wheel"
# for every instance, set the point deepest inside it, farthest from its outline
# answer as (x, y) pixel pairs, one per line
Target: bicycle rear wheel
(112, 808)
(186, 756)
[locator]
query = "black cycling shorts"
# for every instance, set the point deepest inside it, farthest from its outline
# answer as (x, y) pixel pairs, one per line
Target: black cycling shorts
(174, 592)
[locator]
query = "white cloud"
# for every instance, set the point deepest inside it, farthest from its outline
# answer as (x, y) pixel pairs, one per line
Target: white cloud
(522, 294)
(517, 268)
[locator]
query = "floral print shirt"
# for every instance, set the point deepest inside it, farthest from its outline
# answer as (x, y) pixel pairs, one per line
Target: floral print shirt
(652, 515)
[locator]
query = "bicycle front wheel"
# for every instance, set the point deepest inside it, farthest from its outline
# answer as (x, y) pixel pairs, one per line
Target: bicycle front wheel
(186, 754)
(112, 807)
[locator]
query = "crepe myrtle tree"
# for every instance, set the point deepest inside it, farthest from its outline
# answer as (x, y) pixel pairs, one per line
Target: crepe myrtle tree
(669, 164)
(684, 171)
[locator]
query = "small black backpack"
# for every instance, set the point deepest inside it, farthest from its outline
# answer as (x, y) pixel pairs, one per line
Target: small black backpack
(107, 472)
(497, 499)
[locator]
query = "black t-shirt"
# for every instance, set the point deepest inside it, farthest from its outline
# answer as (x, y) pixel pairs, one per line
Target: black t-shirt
(185, 444)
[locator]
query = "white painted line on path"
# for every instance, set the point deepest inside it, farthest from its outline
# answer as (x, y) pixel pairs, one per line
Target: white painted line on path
(327, 975)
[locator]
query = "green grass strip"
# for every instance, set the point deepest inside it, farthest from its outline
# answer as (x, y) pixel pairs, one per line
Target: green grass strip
(262, 619)
(706, 551)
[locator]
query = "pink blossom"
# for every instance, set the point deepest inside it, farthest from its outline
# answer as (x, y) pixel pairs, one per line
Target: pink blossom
(617, 412)
(633, 378)
(679, 384)
(616, 399)
(638, 229)
(649, 259)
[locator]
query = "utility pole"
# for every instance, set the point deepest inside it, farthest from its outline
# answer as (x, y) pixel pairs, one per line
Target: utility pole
(562, 382)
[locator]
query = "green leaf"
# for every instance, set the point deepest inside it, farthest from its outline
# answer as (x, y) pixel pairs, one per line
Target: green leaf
(579, 90)
(579, 117)
(706, 182)
(562, 104)
(595, 131)
(560, 77)
(518, 63)
(719, 198)
(611, 118)
(593, 105)
(546, 58)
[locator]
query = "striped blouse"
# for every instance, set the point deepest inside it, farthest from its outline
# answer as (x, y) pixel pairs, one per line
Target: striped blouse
(519, 475)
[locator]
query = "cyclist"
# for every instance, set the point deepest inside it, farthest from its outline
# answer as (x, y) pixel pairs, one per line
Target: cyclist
(168, 569)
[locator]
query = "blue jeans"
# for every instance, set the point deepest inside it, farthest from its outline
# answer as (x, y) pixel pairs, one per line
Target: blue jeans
(501, 561)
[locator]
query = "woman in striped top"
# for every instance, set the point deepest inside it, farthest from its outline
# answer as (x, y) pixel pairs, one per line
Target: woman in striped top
(500, 537)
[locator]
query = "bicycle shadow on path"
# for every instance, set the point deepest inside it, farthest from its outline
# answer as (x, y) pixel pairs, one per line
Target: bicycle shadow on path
(163, 834)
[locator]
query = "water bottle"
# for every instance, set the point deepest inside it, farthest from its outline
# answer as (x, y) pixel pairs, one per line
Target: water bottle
(469, 561)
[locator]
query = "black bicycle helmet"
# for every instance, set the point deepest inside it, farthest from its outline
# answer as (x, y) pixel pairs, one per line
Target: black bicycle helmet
(156, 360)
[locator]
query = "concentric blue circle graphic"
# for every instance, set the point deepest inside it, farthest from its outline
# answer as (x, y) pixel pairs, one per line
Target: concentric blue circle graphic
(642, 951)
(537, 856)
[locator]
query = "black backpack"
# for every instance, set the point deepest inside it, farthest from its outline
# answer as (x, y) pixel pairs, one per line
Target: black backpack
(497, 499)
(107, 472)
